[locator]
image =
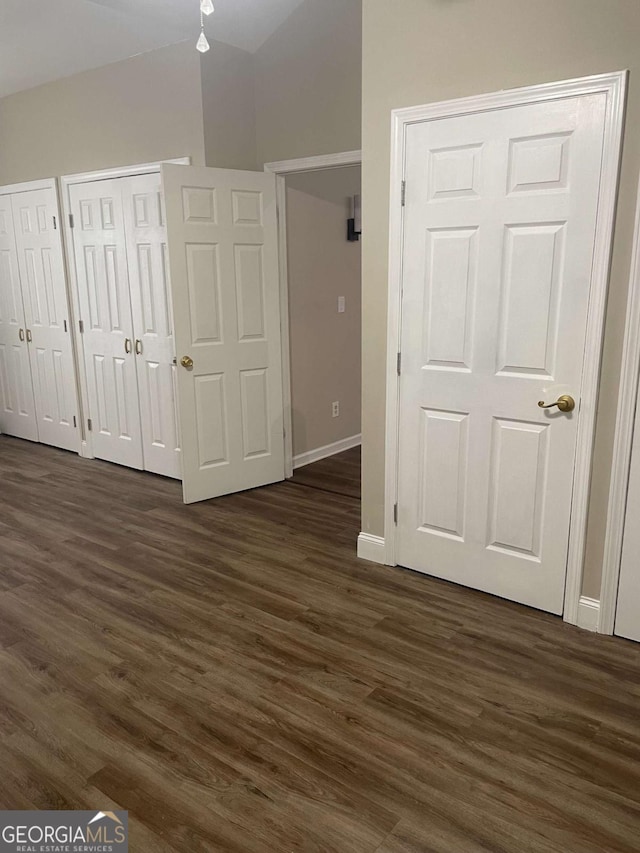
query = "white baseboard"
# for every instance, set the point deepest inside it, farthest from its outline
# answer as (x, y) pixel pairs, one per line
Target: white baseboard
(588, 613)
(371, 548)
(328, 450)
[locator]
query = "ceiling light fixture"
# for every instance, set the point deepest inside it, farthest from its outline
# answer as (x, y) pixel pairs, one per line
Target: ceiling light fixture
(206, 8)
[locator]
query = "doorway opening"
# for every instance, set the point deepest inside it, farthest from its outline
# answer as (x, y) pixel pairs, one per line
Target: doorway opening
(320, 269)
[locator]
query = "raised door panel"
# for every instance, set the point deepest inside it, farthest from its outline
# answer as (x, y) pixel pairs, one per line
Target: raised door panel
(531, 298)
(249, 283)
(517, 487)
(211, 421)
(443, 462)
(17, 405)
(254, 392)
(154, 348)
(450, 293)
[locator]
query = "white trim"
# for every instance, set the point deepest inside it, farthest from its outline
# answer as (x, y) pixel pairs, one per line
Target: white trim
(614, 87)
(285, 333)
(314, 164)
(28, 186)
(121, 172)
(319, 453)
(66, 182)
(280, 169)
(588, 613)
(625, 422)
(372, 548)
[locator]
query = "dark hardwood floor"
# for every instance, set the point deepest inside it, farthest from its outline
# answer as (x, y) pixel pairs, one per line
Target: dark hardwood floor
(339, 474)
(232, 675)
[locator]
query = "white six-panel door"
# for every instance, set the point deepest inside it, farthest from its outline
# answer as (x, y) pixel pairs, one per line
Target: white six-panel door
(146, 237)
(41, 264)
(105, 308)
(17, 404)
(499, 237)
(222, 237)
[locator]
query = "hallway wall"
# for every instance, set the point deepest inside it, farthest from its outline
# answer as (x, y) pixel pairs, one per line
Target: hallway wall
(325, 345)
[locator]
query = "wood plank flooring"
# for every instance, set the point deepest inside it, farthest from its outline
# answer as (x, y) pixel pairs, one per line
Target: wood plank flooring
(339, 474)
(232, 675)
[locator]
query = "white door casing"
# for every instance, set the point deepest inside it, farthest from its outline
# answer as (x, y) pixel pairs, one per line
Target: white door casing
(627, 622)
(222, 237)
(42, 274)
(17, 405)
(499, 234)
(105, 309)
(146, 238)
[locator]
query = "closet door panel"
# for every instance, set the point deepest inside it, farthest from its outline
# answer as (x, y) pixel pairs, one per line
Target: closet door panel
(47, 316)
(152, 321)
(17, 405)
(103, 289)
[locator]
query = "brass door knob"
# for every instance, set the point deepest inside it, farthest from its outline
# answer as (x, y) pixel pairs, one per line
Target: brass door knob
(187, 362)
(564, 404)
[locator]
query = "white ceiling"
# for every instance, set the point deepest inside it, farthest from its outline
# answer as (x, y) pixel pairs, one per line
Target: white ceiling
(43, 40)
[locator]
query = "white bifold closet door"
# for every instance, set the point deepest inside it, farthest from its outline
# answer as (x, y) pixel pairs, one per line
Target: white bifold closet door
(17, 406)
(37, 377)
(44, 293)
(119, 239)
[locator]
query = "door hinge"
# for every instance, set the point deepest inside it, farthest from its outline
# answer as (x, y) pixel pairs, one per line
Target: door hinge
(75, 422)
(89, 424)
(399, 363)
(395, 513)
(403, 194)
(71, 225)
(55, 224)
(81, 326)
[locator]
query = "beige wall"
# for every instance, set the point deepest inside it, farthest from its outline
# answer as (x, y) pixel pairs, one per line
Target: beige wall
(143, 109)
(299, 95)
(431, 50)
(228, 104)
(325, 345)
(308, 82)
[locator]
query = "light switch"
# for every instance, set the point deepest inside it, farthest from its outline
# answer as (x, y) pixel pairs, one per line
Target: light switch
(341, 305)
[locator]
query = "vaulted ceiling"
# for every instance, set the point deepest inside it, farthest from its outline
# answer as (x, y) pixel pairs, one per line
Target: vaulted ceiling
(43, 40)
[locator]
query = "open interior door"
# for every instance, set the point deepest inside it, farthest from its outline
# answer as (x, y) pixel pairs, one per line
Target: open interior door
(223, 257)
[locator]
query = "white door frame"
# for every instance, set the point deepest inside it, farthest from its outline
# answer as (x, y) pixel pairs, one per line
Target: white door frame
(621, 464)
(614, 87)
(27, 186)
(280, 169)
(66, 182)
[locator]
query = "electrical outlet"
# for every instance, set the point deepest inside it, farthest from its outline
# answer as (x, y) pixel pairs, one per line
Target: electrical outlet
(335, 410)
(342, 306)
